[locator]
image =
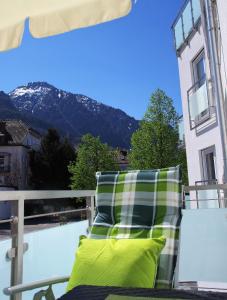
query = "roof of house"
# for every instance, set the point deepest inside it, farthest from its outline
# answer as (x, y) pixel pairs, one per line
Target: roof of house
(14, 131)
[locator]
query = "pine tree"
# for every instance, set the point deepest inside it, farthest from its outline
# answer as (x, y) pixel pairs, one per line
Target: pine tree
(49, 166)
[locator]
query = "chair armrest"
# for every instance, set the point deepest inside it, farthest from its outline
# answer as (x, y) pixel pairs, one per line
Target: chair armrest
(34, 285)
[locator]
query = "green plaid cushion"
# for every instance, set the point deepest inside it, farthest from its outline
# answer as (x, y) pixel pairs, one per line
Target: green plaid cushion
(141, 204)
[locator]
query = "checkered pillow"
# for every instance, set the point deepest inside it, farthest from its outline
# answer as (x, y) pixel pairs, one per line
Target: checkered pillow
(141, 204)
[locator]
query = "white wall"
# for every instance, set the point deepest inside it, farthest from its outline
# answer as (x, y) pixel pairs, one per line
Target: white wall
(195, 143)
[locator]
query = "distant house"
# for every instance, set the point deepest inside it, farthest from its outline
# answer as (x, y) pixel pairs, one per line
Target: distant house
(16, 142)
(123, 159)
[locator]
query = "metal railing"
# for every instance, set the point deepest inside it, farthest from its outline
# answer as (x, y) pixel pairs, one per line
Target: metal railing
(221, 198)
(17, 200)
(186, 23)
(199, 103)
(48, 293)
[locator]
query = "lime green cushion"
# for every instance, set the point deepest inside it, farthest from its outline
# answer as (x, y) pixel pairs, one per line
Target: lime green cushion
(112, 262)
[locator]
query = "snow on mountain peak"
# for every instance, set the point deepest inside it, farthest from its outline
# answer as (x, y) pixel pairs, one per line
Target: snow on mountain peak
(31, 88)
(28, 91)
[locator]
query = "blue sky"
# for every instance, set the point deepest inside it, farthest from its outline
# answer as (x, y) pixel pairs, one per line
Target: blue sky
(119, 63)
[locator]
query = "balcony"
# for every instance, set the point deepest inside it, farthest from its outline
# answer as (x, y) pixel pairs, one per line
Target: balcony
(181, 132)
(49, 253)
(199, 104)
(186, 23)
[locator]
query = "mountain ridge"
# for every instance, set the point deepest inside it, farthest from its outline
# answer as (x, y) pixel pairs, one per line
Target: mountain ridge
(73, 114)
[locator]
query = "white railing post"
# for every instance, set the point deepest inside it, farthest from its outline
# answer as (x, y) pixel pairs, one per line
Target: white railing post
(92, 208)
(90, 205)
(17, 228)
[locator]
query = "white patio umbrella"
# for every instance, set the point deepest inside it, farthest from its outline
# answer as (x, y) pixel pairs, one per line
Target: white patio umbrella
(50, 17)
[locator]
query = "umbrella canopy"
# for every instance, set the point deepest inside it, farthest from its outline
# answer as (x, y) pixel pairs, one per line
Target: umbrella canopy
(50, 17)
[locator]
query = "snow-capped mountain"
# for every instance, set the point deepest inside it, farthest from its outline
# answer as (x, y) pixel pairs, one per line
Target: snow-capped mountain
(73, 114)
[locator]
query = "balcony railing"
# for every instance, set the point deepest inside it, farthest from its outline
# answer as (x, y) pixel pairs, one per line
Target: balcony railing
(16, 253)
(186, 23)
(199, 104)
(206, 194)
(17, 200)
(213, 196)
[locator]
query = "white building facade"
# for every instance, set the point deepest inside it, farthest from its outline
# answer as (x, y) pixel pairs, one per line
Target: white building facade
(17, 140)
(204, 141)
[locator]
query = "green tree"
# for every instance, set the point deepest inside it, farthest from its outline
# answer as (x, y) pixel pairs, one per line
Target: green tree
(92, 156)
(49, 166)
(155, 143)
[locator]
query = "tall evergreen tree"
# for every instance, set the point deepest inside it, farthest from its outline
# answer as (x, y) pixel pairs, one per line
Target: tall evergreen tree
(92, 156)
(49, 166)
(155, 143)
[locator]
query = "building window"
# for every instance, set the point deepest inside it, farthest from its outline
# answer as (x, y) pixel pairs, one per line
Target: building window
(4, 162)
(198, 95)
(199, 73)
(2, 181)
(208, 156)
